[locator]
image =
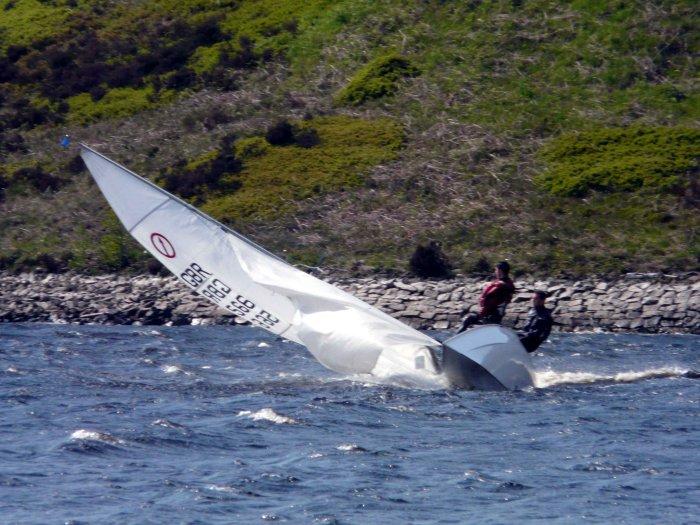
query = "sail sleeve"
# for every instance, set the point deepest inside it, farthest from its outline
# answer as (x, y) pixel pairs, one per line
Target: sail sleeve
(341, 331)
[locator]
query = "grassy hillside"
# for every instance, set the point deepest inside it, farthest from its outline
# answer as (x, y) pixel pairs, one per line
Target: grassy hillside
(560, 135)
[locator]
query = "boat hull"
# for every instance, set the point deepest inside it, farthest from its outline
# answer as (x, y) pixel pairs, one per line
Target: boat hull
(488, 357)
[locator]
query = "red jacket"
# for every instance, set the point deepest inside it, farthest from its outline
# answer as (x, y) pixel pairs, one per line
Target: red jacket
(496, 293)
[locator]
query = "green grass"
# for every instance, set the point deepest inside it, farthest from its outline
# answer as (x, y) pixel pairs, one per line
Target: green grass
(270, 25)
(275, 178)
(117, 103)
(25, 21)
(646, 158)
(559, 134)
(379, 78)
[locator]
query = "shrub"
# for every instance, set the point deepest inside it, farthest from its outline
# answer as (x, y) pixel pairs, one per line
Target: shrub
(221, 77)
(15, 52)
(75, 165)
(180, 79)
(307, 138)
(97, 92)
(251, 147)
(11, 143)
(8, 71)
(243, 57)
(24, 113)
(377, 79)
(280, 134)
(37, 178)
(205, 173)
(430, 261)
(620, 159)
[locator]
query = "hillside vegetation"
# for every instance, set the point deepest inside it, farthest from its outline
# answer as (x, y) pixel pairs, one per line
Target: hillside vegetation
(562, 136)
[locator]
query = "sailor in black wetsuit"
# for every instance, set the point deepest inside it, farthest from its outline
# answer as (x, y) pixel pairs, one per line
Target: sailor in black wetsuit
(539, 324)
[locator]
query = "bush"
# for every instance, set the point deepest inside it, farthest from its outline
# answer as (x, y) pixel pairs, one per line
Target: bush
(15, 52)
(75, 165)
(11, 143)
(97, 92)
(37, 178)
(251, 147)
(221, 78)
(307, 138)
(24, 113)
(621, 159)
(283, 133)
(430, 261)
(242, 58)
(204, 173)
(180, 79)
(377, 79)
(280, 134)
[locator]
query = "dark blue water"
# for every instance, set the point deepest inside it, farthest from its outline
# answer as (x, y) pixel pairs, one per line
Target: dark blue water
(210, 425)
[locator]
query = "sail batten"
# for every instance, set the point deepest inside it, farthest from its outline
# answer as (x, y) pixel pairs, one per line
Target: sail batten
(146, 216)
(341, 331)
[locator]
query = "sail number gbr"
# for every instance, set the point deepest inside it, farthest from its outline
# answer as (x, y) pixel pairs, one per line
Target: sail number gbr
(223, 295)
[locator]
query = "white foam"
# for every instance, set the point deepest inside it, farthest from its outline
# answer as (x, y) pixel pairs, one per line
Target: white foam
(400, 368)
(402, 408)
(92, 435)
(168, 424)
(221, 488)
(263, 345)
(12, 370)
(267, 414)
(289, 374)
(547, 378)
(174, 369)
(350, 447)
(418, 380)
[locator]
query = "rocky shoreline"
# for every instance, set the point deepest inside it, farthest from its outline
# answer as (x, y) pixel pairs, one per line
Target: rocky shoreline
(649, 303)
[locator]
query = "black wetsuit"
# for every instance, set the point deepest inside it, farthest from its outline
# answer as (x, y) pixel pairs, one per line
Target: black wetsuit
(537, 328)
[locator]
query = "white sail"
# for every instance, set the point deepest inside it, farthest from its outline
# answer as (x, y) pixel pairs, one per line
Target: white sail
(342, 332)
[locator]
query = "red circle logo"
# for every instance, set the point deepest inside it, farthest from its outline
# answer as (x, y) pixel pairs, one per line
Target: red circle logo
(162, 245)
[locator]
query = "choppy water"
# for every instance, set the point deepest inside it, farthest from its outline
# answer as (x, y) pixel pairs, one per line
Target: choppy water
(229, 425)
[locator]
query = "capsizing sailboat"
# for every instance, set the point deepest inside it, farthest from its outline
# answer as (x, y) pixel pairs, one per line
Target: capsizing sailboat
(342, 332)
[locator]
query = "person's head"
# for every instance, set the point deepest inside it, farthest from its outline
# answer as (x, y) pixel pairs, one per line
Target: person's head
(538, 298)
(502, 270)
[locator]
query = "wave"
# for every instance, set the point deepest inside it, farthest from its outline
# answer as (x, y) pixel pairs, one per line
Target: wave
(92, 435)
(350, 447)
(267, 414)
(547, 378)
(417, 381)
(174, 369)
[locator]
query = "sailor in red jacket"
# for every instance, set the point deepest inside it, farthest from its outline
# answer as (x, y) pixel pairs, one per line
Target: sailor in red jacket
(494, 299)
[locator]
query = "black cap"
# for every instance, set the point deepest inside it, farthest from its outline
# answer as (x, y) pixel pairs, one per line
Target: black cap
(503, 265)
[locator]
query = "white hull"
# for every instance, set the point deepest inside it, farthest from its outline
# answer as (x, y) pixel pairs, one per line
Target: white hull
(488, 357)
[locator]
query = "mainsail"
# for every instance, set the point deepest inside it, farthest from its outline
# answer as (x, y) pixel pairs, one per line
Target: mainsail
(344, 333)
